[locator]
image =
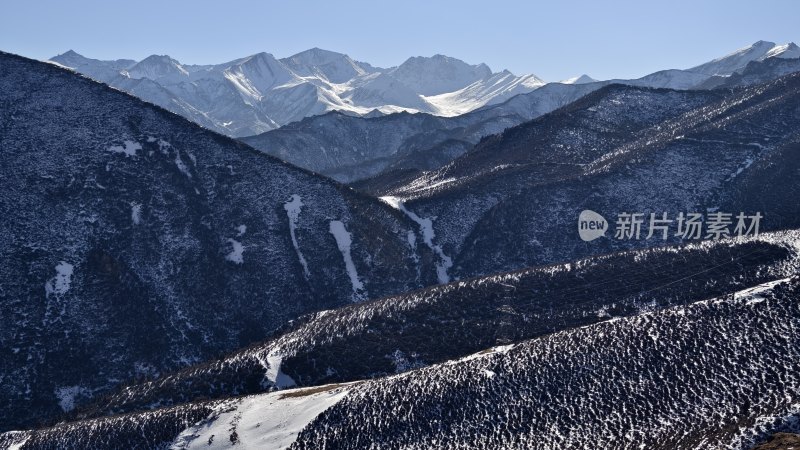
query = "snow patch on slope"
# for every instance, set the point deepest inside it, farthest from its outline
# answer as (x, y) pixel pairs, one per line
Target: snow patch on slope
(20, 438)
(343, 241)
(236, 254)
(784, 51)
(59, 284)
(128, 148)
(293, 208)
(266, 421)
(581, 79)
(274, 373)
(493, 89)
(426, 228)
(181, 165)
(136, 213)
(68, 394)
(757, 294)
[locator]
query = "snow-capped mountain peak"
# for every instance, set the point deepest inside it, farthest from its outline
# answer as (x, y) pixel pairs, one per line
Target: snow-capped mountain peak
(581, 79)
(735, 61)
(332, 66)
(93, 68)
(155, 67)
(788, 51)
(257, 74)
(70, 58)
(438, 74)
(257, 93)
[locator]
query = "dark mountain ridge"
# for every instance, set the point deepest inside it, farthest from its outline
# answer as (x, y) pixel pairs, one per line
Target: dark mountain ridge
(513, 200)
(671, 379)
(399, 333)
(628, 382)
(137, 243)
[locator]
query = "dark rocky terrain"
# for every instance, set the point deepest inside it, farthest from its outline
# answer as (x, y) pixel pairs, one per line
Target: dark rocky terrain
(408, 331)
(513, 200)
(674, 378)
(349, 148)
(136, 242)
(781, 441)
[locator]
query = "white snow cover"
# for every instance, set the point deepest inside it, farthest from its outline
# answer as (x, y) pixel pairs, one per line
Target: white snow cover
(66, 396)
(786, 51)
(136, 213)
(581, 79)
(274, 373)
(426, 228)
(758, 51)
(258, 93)
(293, 208)
(59, 284)
(756, 293)
(237, 252)
(343, 241)
(265, 421)
(128, 148)
(495, 88)
(181, 165)
(22, 439)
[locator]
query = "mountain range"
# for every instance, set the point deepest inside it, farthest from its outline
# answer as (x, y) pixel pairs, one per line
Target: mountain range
(511, 201)
(647, 360)
(384, 337)
(257, 93)
(394, 148)
(171, 282)
(252, 95)
(138, 242)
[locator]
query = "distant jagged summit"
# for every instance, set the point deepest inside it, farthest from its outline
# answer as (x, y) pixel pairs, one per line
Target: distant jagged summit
(737, 60)
(581, 79)
(157, 66)
(260, 92)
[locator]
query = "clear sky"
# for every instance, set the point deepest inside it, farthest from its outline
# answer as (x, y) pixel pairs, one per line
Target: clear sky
(553, 39)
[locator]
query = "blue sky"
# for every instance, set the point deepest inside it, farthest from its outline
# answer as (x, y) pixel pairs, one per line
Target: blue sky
(553, 39)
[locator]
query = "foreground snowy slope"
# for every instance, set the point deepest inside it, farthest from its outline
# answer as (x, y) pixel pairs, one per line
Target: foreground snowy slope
(136, 242)
(267, 421)
(715, 374)
(433, 325)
